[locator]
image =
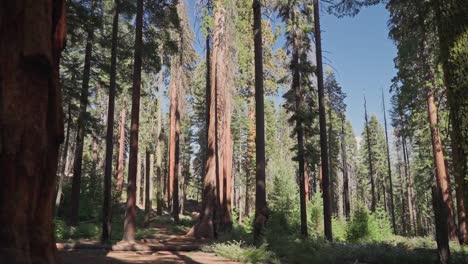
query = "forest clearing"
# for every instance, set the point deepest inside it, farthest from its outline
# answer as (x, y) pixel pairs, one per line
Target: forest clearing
(233, 131)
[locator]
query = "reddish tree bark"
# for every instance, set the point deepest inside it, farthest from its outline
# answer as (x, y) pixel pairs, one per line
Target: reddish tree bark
(441, 173)
(31, 127)
(130, 213)
(205, 227)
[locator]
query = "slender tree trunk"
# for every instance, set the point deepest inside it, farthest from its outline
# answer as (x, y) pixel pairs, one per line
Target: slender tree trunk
(346, 203)
(306, 181)
(250, 157)
(148, 176)
(121, 159)
(130, 213)
(172, 135)
(175, 187)
(226, 220)
(323, 127)
(138, 181)
(369, 152)
(81, 130)
(261, 210)
(389, 169)
(64, 162)
(31, 127)
(107, 207)
(296, 86)
(333, 180)
(159, 143)
(409, 200)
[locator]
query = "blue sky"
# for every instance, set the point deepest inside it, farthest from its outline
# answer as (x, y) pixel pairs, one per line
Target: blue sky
(359, 51)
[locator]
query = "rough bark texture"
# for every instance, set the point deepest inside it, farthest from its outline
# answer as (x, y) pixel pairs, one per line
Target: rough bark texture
(213, 201)
(130, 213)
(323, 127)
(440, 171)
(107, 207)
(81, 130)
(31, 127)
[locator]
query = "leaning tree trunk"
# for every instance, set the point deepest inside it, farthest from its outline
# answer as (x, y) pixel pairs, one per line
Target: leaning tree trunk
(452, 22)
(130, 213)
(81, 130)
(107, 206)
(31, 128)
(58, 197)
(389, 169)
(261, 210)
(441, 173)
(323, 127)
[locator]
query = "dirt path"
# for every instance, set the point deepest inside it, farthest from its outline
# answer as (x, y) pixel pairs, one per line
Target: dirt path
(118, 257)
(166, 246)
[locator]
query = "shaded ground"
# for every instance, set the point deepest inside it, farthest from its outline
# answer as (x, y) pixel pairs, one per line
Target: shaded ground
(124, 257)
(163, 242)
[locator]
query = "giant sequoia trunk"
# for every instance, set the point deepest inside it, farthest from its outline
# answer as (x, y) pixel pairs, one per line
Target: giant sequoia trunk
(261, 211)
(213, 214)
(31, 128)
(81, 130)
(106, 209)
(323, 127)
(130, 213)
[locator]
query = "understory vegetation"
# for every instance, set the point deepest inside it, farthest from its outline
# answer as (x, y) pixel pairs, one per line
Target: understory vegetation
(364, 238)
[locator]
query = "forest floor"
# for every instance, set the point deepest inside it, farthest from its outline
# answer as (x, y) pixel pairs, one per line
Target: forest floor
(162, 242)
